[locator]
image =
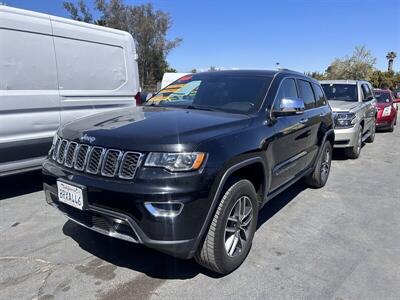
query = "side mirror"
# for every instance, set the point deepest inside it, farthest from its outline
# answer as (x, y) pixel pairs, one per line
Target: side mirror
(144, 96)
(369, 98)
(290, 106)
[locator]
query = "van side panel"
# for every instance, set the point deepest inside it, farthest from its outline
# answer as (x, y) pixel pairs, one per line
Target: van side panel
(95, 69)
(29, 99)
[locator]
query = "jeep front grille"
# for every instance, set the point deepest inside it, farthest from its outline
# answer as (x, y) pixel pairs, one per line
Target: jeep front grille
(96, 160)
(110, 163)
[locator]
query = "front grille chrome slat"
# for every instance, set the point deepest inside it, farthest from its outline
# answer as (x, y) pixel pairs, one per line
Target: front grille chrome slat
(129, 164)
(70, 154)
(61, 151)
(94, 161)
(81, 157)
(111, 162)
(97, 160)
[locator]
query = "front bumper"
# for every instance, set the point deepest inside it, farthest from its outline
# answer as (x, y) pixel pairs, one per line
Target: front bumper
(346, 137)
(116, 208)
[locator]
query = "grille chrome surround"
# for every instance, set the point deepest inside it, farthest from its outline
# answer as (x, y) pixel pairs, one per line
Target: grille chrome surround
(96, 160)
(81, 157)
(111, 162)
(71, 154)
(61, 151)
(129, 164)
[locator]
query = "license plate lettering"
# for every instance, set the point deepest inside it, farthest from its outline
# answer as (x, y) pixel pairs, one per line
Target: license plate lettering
(70, 194)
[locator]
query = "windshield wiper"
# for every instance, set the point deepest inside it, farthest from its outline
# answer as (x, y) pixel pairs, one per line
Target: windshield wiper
(200, 107)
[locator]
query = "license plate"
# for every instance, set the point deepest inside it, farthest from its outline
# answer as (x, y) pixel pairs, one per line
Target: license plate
(70, 194)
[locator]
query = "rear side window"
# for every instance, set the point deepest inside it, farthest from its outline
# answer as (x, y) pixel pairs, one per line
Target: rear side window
(319, 95)
(307, 94)
(27, 61)
(286, 90)
(84, 65)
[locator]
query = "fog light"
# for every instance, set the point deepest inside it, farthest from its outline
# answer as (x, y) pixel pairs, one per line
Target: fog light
(164, 209)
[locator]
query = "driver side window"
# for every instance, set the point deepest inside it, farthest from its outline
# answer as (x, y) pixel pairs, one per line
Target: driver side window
(287, 90)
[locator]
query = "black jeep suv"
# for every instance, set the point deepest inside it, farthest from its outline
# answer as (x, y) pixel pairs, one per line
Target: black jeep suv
(188, 172)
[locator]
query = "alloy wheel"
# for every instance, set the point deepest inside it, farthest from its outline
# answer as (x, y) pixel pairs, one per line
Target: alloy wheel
(359, 142)
(326, 164)
(237, 229)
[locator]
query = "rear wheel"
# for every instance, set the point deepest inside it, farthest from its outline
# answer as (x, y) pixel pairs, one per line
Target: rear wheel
(354, 152)
(319, 176)
(230, 235)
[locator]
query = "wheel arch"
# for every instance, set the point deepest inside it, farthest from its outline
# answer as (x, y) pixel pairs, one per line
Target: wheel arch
(241, 167)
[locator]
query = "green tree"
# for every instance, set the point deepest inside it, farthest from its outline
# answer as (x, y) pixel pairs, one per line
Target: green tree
(360, 65)
(316, 75)
(387, 79)
(148, 27)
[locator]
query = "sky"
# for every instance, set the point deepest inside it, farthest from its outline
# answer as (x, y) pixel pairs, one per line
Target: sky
(303, 35)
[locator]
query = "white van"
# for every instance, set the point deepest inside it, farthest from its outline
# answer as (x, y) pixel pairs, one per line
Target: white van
(52, 71)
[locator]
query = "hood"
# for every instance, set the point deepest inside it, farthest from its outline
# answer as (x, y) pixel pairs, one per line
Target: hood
(153, 128)
(382, 105)
(338, 105)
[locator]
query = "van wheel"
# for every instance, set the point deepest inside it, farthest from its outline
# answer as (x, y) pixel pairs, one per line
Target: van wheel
(354, 152)
(320, 174)
(230, 235)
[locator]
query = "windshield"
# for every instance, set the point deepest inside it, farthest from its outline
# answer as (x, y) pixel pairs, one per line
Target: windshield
(216, 91)
(342, 92)
(382, 97)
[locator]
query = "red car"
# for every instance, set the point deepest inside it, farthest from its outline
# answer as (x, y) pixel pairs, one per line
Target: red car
(387, 109)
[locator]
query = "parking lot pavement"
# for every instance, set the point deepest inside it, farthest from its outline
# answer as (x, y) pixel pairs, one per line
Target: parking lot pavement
(340, 242)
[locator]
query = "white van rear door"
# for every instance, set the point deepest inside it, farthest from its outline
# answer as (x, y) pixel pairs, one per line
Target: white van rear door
(94, 69)
(29, 100)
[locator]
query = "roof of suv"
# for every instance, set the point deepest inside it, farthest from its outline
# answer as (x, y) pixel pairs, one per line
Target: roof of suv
(255, 72)
(341, 81)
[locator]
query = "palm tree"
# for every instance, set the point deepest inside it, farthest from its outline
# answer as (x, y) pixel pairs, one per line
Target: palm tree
(390, 57)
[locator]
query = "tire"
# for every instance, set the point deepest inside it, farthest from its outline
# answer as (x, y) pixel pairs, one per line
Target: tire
(354, 152)
(213, 253)
(320, 174)
(371, 138)
(391, 128)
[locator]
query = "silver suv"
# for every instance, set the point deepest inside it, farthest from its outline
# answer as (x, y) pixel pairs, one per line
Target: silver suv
(354, 111)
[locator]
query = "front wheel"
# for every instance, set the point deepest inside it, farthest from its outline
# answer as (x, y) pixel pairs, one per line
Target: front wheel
(320, 174)
(354, 152)
(230, 235)
(371, 137)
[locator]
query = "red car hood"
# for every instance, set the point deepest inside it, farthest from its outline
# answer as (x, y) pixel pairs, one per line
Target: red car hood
(382, 105)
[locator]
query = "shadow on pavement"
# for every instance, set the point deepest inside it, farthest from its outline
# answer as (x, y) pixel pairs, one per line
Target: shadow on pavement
(17, 185)
(151, 262)
(280, 201)
(134, 256)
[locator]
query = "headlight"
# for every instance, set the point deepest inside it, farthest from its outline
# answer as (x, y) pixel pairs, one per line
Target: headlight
(176, 161)
(386, 111)
(344, 120)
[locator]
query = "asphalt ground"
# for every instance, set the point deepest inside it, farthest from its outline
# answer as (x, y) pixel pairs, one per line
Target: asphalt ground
(339, 242)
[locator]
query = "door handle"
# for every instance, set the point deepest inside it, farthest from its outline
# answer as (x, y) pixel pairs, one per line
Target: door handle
(303, 121)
